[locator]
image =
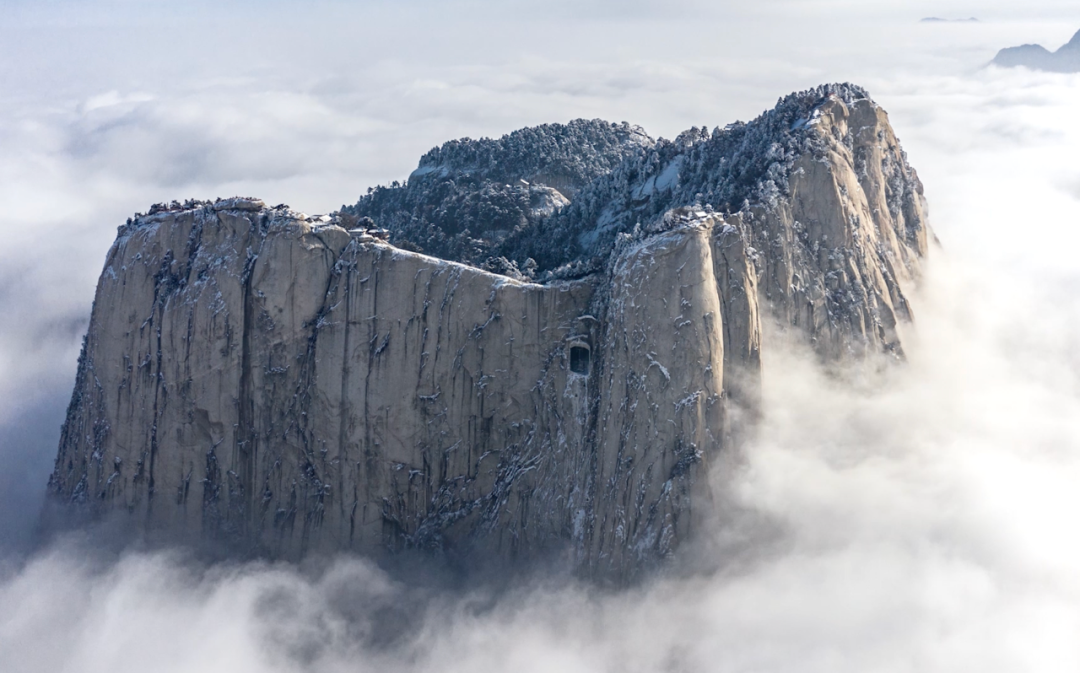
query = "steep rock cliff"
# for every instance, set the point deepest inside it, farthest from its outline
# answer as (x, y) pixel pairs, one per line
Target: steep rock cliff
(278, 384)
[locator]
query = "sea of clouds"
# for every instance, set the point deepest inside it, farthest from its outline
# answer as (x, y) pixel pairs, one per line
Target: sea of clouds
(921, 519)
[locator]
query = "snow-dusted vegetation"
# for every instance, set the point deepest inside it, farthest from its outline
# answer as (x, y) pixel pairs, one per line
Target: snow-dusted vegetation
(477, 201)
(468, 196)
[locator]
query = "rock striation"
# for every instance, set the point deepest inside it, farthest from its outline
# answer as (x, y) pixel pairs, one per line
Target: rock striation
(1037, 57)
(277, 384)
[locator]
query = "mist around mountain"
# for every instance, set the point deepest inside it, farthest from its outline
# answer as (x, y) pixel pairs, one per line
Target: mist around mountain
(1038, 57)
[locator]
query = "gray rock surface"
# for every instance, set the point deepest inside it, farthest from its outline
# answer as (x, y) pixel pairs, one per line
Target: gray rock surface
(276, 384)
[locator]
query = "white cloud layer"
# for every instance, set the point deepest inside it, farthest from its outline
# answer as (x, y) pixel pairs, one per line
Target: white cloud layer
(920, 520)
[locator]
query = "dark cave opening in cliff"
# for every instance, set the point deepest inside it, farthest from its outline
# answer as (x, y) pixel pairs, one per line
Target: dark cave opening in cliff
(579, 359)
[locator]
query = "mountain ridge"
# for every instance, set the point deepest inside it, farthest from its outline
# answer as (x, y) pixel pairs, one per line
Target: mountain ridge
(1066, 59)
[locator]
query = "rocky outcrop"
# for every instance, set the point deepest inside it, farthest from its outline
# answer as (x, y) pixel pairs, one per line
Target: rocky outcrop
(1038, 57)
(278, 384)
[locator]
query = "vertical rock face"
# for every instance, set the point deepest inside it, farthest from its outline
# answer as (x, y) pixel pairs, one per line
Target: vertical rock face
(852, 229)
(293, 388)
(275, 384)
(661, 407)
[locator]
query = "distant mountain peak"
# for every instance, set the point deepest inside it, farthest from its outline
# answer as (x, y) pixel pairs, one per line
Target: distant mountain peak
(1038, 57)
(1074, 43)
(938, 19)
